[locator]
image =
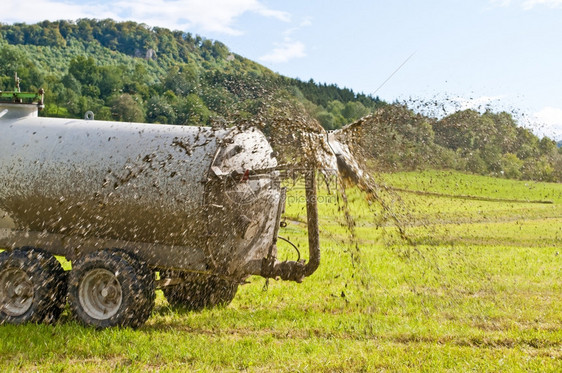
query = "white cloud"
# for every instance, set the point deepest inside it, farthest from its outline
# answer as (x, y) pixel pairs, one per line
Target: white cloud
(285, 51)
(530, 4)
(205, 15)
(304, 23)
(549, 122)
(289, 49)
(40, 10)
(208, 15)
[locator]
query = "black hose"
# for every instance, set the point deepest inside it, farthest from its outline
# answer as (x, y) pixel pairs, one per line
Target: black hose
(292, 244)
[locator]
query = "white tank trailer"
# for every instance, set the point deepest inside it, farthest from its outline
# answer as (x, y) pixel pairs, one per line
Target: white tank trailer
(123, 201)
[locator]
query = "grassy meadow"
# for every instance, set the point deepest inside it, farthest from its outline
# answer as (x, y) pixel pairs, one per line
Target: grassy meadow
(477, 286)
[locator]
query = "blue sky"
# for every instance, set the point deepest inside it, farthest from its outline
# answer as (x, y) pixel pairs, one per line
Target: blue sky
(502, 54)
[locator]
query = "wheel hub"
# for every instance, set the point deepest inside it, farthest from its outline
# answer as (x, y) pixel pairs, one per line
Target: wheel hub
(16, 291)
(100, 294)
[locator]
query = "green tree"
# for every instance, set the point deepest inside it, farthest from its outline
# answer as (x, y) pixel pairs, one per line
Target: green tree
(160, 110)
(336, 108)
(111, 80)
(511, 166)
(15, 61)
(547, 146)
(70, 82)
(219, 50)
(527, 145)
(327, 120)
(354, 110)
(182, 79)
(191, 110)
(539, 169)
(84, 69)
(127, 108)
(475, 163)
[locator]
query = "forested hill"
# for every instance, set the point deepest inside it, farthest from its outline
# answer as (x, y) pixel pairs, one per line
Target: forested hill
(99, 60)
(132, 72)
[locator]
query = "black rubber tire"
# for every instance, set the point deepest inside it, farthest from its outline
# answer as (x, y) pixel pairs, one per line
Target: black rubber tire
(129, 280)
(47, 285)
(147, 276)
(203, 293)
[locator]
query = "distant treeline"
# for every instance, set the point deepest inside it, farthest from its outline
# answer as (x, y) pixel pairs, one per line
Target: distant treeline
(131, 72)
(488, 144)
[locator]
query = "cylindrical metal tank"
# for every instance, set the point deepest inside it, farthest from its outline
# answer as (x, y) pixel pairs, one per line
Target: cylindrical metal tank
(186, 198)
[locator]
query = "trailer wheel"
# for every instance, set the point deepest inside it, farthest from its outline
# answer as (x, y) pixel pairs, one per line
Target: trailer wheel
(107, 288)
(197, 295)
(146, 302)
(32, 286)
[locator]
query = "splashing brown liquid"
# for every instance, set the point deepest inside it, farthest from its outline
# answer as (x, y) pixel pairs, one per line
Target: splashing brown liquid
(301, 142)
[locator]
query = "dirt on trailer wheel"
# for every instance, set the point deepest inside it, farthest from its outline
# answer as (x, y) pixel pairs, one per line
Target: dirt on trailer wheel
(32, 286)
(107, 288)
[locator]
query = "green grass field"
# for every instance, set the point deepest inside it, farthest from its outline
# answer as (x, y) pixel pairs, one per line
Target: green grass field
(477, 288)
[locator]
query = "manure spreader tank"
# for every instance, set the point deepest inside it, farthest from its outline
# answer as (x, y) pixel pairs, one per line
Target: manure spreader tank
(123, 201)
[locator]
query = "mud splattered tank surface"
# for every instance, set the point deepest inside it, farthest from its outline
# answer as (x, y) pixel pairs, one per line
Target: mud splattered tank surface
(80, 185)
